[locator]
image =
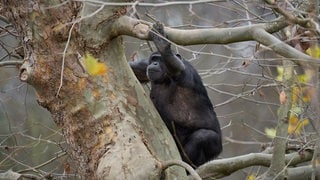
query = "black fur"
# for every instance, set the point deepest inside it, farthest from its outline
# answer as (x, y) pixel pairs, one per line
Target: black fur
(182, 101)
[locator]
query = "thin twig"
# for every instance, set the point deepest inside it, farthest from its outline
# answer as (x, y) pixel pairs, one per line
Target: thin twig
(63, 58)
(43, 164)
(68, 41)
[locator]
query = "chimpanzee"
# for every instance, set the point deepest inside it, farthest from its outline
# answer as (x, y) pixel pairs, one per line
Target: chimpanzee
(182, 101)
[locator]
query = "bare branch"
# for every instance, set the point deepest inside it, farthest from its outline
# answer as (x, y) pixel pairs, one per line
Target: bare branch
(140, 29)
(137, 3)
(280, 47)
(278, 160)
(10, 63)
(259, 32)
(180, 163)
(303, 172)
(11, 175)
(275, 6)
(291, 17)
(224, 167)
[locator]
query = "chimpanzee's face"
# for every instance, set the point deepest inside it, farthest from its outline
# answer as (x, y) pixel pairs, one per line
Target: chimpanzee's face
(156, 68)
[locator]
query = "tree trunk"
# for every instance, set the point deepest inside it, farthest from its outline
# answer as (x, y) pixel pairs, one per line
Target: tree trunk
(110, 125)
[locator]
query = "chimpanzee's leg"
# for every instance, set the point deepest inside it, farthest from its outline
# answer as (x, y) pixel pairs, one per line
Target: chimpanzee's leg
(202, 146)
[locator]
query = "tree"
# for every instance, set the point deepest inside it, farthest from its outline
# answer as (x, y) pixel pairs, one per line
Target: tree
(110, 125)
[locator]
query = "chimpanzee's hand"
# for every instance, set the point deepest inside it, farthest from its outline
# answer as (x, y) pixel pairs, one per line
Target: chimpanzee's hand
(158, 36)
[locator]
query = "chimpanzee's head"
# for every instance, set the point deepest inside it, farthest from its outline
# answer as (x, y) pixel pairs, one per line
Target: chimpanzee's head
(156, 70)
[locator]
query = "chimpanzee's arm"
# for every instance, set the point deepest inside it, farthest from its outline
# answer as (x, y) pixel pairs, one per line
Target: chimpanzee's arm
(173, 63)
(139, 68)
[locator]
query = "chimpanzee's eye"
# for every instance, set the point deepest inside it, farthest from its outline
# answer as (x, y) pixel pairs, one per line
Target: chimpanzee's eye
(154, 58)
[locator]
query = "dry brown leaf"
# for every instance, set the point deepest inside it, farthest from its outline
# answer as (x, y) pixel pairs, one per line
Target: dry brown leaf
(282, 97)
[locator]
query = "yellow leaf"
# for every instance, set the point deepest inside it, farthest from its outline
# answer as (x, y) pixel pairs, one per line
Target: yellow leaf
(307, 94)
(314, 51)
(251, 177)
(296, 129)
(295, 126)
(301, 93)
(270, 132)
(280, 73)
(303, 78)
(93, 66)
(295, 94)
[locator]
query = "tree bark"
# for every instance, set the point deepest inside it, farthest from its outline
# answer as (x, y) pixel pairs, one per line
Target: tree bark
(277, 168)
(111, 127)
